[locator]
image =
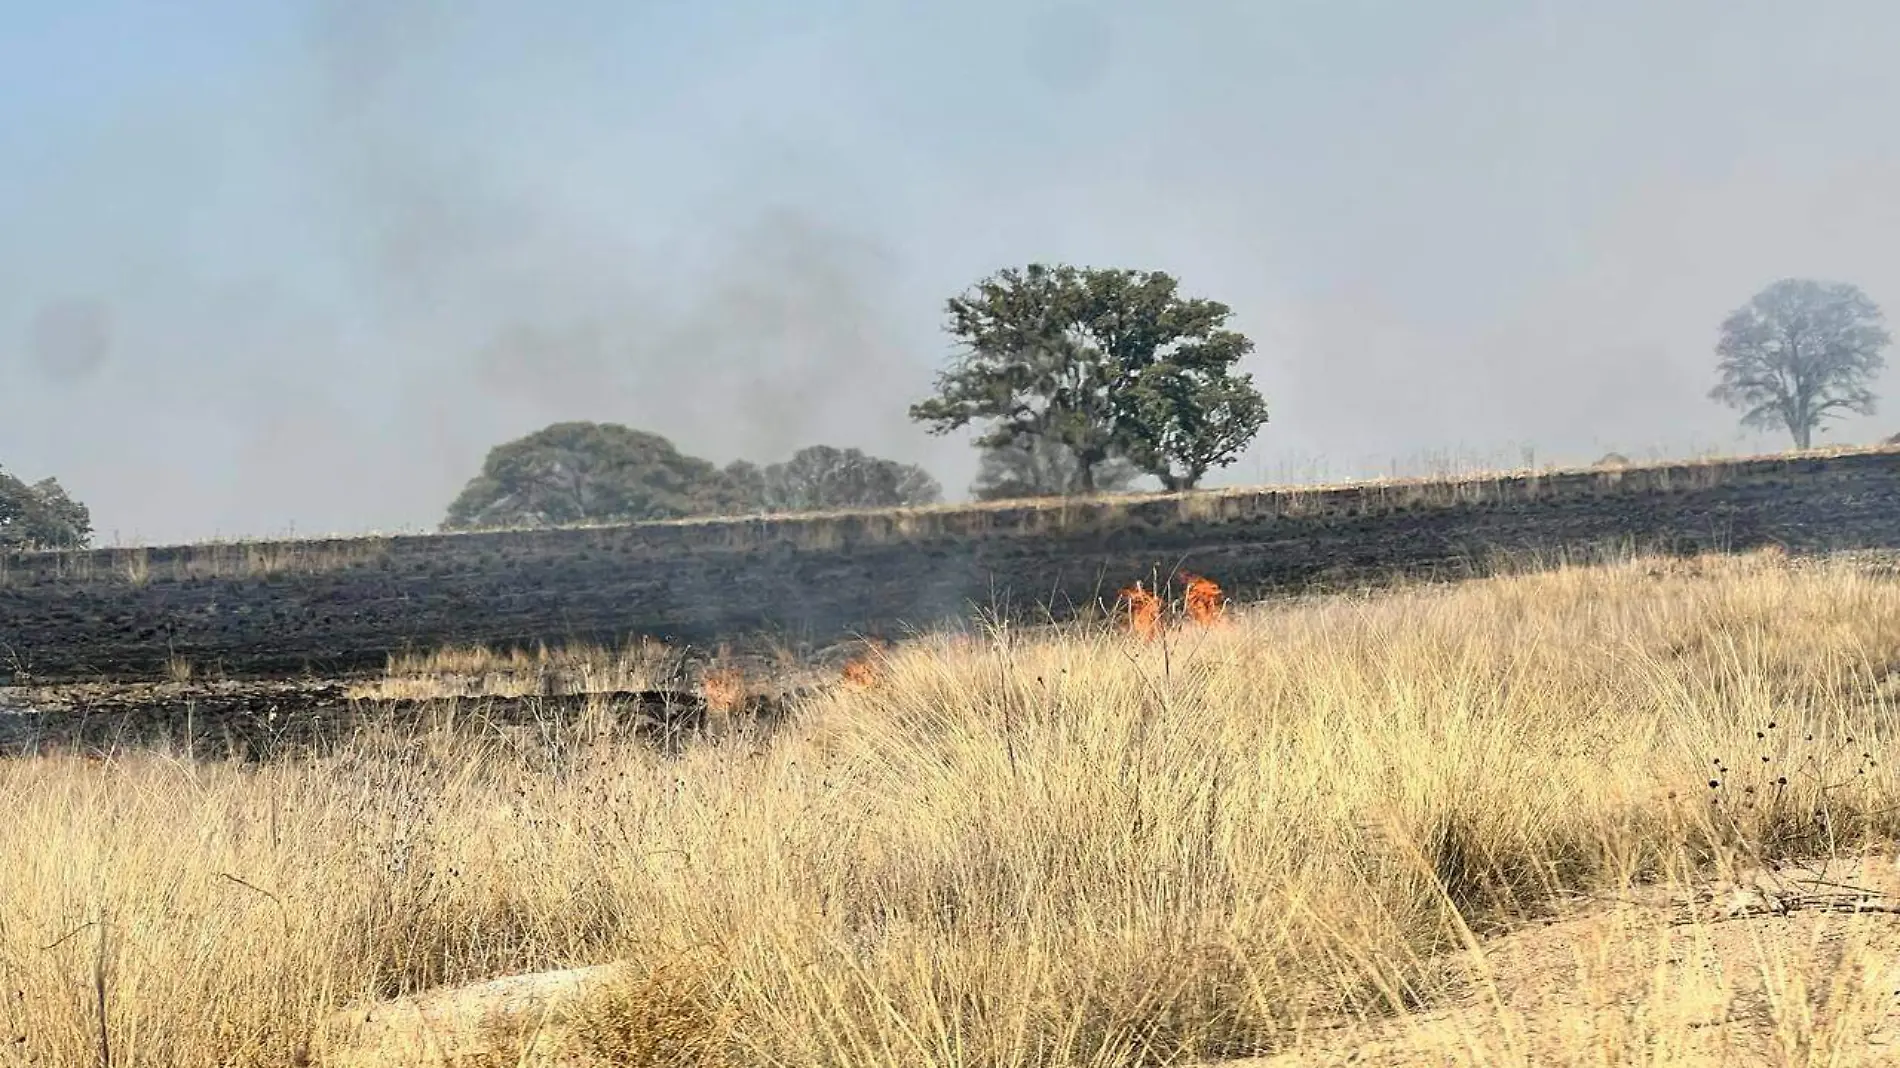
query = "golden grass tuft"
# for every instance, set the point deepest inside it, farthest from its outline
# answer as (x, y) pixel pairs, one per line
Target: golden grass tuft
(476, 671)
(1325, 825)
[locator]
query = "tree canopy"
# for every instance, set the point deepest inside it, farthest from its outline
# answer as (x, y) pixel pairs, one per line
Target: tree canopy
(821, 476)
(580, 472)
(1109, 364)
(605, 472)
(1801, 352)
(41, 515)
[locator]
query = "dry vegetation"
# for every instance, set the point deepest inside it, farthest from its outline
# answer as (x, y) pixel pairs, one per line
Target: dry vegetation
(1397, 824)
(479, 672)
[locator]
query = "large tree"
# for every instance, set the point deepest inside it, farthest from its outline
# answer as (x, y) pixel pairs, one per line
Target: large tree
(1107, 363)
(1040, 467)
(40, 515)
(590, 472)
(1800, 352)
(821, 476)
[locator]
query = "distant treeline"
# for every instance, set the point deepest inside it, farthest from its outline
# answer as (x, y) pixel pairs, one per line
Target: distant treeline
(1078, 381)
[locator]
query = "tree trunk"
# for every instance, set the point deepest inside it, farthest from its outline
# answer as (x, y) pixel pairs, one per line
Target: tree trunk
(1174, 483)
(1087, 460)
(1803, 422)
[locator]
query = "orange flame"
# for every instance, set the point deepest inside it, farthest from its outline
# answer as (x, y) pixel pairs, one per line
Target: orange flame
(1204, 601)
(723, 690)
(860, 672)
(863, 671)
(1144, 611)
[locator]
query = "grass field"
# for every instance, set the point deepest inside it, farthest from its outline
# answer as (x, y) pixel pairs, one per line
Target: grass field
(1528, 819)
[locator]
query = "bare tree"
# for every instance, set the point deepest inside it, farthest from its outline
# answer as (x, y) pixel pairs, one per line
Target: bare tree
(1800, 352)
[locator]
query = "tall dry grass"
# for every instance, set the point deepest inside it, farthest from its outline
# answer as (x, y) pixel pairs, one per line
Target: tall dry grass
(1014, 849)
(476, 671)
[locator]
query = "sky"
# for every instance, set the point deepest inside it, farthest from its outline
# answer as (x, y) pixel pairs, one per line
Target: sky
(276, 267)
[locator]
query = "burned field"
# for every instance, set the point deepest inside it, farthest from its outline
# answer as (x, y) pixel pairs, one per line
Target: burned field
(245, 649)
(646, 694)
(262, 720)
(340, 608)
(1302, 803)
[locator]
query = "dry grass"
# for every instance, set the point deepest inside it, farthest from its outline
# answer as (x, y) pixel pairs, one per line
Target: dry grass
(475, 671)
(1308, 828)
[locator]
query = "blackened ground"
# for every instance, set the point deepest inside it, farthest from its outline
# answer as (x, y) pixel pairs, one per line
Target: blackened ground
(337, 609)
(263, 720)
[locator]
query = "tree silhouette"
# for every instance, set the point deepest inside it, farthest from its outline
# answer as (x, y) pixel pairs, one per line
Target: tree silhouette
(1040, 467)
(1801, 352)
(821, 476)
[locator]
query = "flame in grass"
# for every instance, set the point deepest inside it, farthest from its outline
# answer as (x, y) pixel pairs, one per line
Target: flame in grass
(724, 690)
(863, 671)
(1143, 610)
(860, 673)
(1202, 604)
(1203, 600)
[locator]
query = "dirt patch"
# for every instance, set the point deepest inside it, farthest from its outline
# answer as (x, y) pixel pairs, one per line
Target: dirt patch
(502, 1021)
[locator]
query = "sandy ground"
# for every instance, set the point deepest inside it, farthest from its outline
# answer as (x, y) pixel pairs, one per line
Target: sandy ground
(1796, 967)
(458, 1026)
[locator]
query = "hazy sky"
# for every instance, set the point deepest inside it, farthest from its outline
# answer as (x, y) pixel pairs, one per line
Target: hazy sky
(275, 265)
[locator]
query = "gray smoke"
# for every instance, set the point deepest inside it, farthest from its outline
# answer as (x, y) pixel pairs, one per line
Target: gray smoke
(774, 333)
(70, 339)
(302, 265)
